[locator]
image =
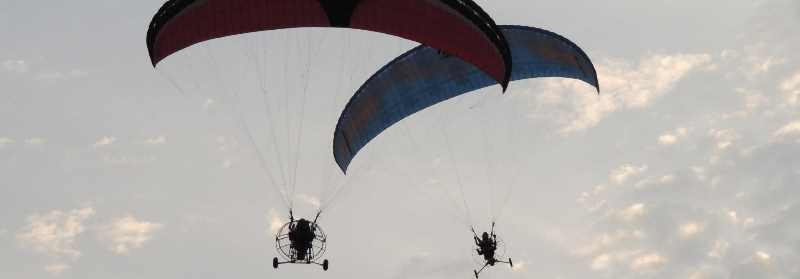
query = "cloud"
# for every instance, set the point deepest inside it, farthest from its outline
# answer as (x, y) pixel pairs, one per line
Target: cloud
(310, 200)
(227, 163)
(735, 219)
(648, 261)
(633, 212)
(35, 141)
(227, 144)
(520, 266)
(129, 160)
(690, 229)
(601, 261)
(59, 75)
(624, 86)
(104, 141)
(624, 172)
(56, 269)
(724, 138)
(6, 141)
(16, 66)
(54, 233)
(763, 257)
(672, 137)
(19, 66)
(159, 140)
(638, 87)
(751, 61)
(275, 221)
(427, 265)
(209, 104)
(744, 226)
(128, 233)
(791, 90)
(791, 130)
(719, 250)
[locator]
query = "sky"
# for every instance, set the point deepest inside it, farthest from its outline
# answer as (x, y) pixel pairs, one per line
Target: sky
(686, 165)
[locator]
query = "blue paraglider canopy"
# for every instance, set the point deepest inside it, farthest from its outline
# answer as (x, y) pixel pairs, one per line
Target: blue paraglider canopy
(425, 76)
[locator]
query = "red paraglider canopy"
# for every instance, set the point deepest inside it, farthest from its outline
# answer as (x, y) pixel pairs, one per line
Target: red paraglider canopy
(457, 27)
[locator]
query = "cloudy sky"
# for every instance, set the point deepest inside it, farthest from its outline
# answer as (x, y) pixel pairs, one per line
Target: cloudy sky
(687, 165)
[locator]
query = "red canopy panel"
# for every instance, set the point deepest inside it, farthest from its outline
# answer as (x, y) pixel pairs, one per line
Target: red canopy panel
(205, 20)
(457, 27)
(434, 24)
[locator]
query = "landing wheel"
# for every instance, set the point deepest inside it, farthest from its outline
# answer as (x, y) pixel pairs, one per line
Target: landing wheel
(476, 273)
(510, 263)
(275, 262)
(325, 265)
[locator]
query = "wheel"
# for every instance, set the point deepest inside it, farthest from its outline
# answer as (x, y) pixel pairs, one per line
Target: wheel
(325, 265)
(510, 263)
(275, 262)
(476, 273)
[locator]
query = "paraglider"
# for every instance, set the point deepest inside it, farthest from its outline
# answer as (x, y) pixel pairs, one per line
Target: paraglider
(301, 242)
(487, 246)
(426, 76)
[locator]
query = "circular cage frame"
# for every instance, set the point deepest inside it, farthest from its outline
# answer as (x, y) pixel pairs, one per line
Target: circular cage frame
(283, 244)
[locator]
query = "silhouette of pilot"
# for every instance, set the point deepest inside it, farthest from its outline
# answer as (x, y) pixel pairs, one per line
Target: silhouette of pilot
(301, 236)
(486, 247)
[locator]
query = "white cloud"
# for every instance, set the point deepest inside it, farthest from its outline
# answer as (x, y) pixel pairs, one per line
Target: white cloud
(633, 212)
(227, 144)
(648, 261)
(209, 103)
(58, 75)
(56, 269)
(637, 87)
(724, 138)
(520, 266)
(667, 139)
(275, 221)
(690, 229)
(765, 65)
(606, 240)
(159, 140)
(719, 250)
(227, 163)
(310, 200)
(54, 233)
(672, 137)
(129, 160)
(624, 86)
(104, 141)
(127, 233)
(789, 130)
(624, 172)
(16, 66)
(35, 141)
(763, 257)
(791, 89)
(751, 61)
(734, 218)
(667, 179)
(601, 262)
(6, 141)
